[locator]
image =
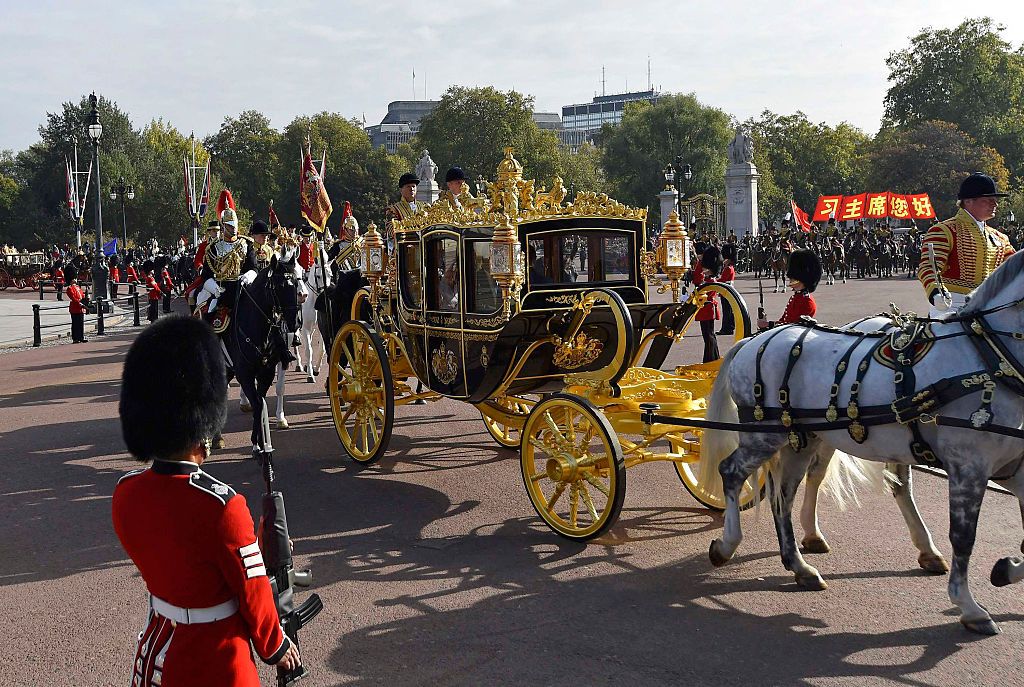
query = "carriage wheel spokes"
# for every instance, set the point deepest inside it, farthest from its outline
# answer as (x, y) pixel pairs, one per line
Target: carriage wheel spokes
(572, 467)
(508, 435)
(710, 493)
(361, 392)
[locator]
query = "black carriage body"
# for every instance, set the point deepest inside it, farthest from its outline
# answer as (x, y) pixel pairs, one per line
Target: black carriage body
(459, 341)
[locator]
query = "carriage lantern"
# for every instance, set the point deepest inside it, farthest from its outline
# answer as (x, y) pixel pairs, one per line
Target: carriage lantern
(507, 267)
(673, 252)
(371, 255)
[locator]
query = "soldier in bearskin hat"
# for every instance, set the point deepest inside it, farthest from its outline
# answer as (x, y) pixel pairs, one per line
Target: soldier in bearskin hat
(729, 256)
(189, 534)
(959, 253)
(709, 269)
(804, 273)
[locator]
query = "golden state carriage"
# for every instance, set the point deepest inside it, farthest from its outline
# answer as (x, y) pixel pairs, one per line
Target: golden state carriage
(536, 311)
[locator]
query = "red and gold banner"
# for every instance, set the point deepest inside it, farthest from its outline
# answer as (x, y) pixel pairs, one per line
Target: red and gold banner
(313, 199)
(899, 207)
(827, 205)
(852, 207)
(921, 206)
(878, 205)
(802, 220)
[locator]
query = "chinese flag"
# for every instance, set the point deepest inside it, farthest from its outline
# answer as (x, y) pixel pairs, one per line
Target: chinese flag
(878, 205)
(852, 207)
(899, 207)
(316, 205)
(921, 206)
(802, 220)
(827, 205)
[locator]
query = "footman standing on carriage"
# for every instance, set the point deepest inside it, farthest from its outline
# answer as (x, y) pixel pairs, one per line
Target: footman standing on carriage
(959, 253)
(189, 534)
(804, 273)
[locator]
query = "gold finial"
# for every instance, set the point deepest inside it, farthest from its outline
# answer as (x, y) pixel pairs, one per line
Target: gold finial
(509, 168)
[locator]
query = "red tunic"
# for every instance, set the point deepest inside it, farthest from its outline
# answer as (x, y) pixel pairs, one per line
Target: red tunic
(709, 311)
(75, 296)
(58, 277)
(131, 275)
(306, 256)
(800, 303)
(200, 256)
(191, 537)
(115, 275)
(168, 283)
(154, 289)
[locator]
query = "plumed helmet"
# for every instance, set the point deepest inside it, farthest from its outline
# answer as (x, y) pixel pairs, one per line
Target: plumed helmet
(711, 259)
(454, 174)
(173, 388)
(729, 252)
(787, 219)
(979, 185)
(228, 217)
(259, 227)
(408, 178)
(804, 266)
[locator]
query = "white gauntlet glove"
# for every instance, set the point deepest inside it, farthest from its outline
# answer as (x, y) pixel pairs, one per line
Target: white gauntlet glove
(247, 277)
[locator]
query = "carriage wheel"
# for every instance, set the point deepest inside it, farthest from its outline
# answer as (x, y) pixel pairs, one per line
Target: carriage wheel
(362, 392)
(359, 301)
(508, 435)
(572, 467)
(711, 495)
(19, 283)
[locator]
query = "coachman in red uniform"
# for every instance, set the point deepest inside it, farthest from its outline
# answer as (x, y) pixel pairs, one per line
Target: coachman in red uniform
(190, 535)
(804, 273)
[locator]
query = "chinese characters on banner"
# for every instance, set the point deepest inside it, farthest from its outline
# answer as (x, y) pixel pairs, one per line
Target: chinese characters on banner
(874, 206)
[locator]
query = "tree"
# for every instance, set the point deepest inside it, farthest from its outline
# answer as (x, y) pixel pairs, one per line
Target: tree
(635, 153)
(968, 76)
(246, 158)
(581, 171)
(471, 127)
(930, 157)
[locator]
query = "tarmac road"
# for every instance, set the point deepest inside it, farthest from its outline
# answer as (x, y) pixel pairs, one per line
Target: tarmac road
(435, 570)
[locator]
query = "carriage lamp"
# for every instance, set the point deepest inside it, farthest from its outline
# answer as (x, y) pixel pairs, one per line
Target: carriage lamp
(507, 264)
(673, 252)
(371, 256)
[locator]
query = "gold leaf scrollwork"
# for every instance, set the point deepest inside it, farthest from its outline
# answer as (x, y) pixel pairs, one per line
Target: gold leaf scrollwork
(648, 263)
(444, 364)
(576, 352)
(564, 299)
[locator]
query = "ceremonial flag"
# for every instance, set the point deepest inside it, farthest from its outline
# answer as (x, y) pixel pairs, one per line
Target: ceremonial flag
(273, 221)
(852, 207)
(921, 206)
(802, 220)
(189, 204)
(110, 247)
(204, 197)
(878, 205)
(827, 205)
(69, 183)
(899, 207)
(313, 199)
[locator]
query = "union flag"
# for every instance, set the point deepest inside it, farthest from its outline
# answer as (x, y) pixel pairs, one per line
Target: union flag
(313, 199)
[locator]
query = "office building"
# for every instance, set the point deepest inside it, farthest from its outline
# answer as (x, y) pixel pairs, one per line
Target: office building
(582, 123)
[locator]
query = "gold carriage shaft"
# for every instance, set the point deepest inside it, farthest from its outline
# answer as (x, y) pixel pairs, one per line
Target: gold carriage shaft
(536, 311)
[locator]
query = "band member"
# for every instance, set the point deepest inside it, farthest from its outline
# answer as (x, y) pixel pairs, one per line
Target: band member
(167, 286)
(455, 180)
(76, 308)
(190, 535)
(709, 269)
(959, 253)
(227, 265)
(804, 273)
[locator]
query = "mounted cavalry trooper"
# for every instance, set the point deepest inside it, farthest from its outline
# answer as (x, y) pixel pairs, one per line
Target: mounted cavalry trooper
(263, 251)
(804, 273)
(228, 264)
(957, 255)
(189, 534)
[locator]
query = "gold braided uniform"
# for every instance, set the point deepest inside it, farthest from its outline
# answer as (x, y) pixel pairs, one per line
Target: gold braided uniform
(965, 254)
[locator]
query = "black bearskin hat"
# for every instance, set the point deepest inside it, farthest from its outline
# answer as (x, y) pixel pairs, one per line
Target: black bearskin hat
(729, 252)
(711, 260)
(173, 389)
(804, 266)
(407, 178)
(454, 174)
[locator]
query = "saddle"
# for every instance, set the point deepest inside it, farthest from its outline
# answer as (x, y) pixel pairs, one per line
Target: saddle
(219, 319)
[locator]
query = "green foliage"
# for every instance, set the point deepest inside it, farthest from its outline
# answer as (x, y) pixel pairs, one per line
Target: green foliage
(581, 171)
(636, 152)
(245, 157)
(930, 157)
(967, 75)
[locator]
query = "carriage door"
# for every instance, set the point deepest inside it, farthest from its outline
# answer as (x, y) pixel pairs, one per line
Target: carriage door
(444, 284)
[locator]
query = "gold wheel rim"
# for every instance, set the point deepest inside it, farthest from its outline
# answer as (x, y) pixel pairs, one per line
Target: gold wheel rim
(568, 468)
(712, 494)
(357, 393)
(508, 435)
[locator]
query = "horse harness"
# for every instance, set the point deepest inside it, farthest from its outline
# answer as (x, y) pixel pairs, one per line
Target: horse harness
(899, 344)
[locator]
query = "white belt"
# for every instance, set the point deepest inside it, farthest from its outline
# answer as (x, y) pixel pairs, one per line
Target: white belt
(193, 616)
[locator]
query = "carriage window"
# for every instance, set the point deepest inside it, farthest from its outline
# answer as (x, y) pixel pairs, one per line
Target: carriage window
(484, 294)
(412, 268)
(537, 262)
(443, 275)
(616, 258)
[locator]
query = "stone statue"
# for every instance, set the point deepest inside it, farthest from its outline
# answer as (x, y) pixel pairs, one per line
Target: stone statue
(426, 168)
(741, 148)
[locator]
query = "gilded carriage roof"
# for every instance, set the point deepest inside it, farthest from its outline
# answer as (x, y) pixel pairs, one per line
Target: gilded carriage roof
(519, 199)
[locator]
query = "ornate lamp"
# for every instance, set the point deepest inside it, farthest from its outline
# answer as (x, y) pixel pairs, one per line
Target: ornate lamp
(674, 252)
(507, 265)
(670, 177)
(371, 256)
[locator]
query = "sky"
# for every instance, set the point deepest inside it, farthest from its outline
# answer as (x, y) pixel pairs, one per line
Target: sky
(195, 63)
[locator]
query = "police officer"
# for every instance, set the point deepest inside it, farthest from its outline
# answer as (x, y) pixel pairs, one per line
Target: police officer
(189, 534)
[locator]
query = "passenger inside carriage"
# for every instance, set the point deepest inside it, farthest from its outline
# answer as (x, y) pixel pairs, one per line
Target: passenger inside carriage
(448, 288)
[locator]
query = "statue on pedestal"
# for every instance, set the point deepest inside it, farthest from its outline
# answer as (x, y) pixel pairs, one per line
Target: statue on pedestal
(741, 148)
(426, 168)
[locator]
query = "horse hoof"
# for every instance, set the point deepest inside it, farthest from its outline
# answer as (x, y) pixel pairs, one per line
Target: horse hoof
(717, 558)
(983, 626)
(814, 545)
(1000, 576)
(218, 442)
(245, 407)
(812, 583)
(282, 423)
(933, 563)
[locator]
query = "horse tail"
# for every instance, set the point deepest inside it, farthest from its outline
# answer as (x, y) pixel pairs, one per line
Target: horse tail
(718, 444)
(846, 474)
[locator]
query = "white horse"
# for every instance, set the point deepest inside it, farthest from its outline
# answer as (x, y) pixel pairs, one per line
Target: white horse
(314, 280)
(973, 440)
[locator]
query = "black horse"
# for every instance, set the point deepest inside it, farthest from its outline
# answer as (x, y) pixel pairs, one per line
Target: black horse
(254, 341)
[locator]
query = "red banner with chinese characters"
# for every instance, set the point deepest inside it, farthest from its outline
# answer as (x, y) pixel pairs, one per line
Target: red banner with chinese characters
(878, 205)
(899, 207)
(827, 206)
(852, 207)
(921, 206)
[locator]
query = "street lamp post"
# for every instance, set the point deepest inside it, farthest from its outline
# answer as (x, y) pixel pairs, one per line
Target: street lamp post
(685, 173)
(125, 192)
(99, 267)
